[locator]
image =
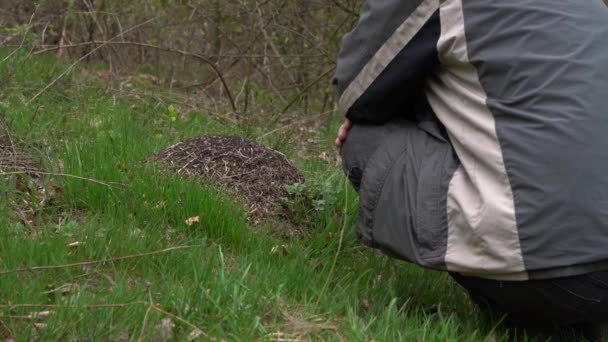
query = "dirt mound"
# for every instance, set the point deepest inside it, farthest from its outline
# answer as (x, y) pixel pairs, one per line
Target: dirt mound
(245, 167)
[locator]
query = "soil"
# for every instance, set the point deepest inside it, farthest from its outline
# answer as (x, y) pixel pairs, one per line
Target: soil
(244, 167)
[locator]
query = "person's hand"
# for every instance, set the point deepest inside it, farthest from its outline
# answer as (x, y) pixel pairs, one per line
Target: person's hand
(343, 133)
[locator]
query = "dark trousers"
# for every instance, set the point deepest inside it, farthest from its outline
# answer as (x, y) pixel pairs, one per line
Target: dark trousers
(547, 307)
(579, 302)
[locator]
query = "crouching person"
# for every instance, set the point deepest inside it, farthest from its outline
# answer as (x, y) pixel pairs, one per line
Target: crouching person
(477, 137)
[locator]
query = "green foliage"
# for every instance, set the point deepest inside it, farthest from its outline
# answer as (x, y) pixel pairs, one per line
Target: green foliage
(305, 201)
(16, 30)
(272, 50)
(236, 282)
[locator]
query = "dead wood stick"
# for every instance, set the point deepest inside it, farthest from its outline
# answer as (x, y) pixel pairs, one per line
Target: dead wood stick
(58, 306)
(96, 262)
(92, 180)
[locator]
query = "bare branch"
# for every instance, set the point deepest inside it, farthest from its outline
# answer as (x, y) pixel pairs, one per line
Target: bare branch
(108, 184)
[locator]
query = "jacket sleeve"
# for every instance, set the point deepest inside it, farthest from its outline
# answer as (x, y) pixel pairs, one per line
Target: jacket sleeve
(385, 61)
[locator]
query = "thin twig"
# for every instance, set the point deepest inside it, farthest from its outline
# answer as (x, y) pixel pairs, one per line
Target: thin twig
(103, 43)
(58, 306)
(8, 329)
(145, 322)
(96, 262)
(92, 180)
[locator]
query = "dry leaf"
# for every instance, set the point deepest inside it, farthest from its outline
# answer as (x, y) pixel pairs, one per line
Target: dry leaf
(164, 330)
(74, 244)
(195, 334)
(324, 156)
(160, 204)
(193, 220)
(35, 333)
(41, 315)
(282, 248)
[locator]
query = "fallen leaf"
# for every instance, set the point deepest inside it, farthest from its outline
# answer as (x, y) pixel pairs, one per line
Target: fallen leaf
(282, 248)
(74, 244)
(365, 304)
(164, 331)
(193, 220)
(41, 315)
(195, 334)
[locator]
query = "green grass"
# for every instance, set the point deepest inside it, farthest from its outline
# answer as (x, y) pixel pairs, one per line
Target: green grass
(233, 284)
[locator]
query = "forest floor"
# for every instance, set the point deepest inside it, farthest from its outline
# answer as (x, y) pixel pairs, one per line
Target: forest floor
(98, 244)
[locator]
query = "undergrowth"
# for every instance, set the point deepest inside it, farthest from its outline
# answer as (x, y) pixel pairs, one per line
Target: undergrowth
(233, 282)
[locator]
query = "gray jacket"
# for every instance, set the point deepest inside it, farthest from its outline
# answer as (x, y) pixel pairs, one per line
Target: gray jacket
(494, 161)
